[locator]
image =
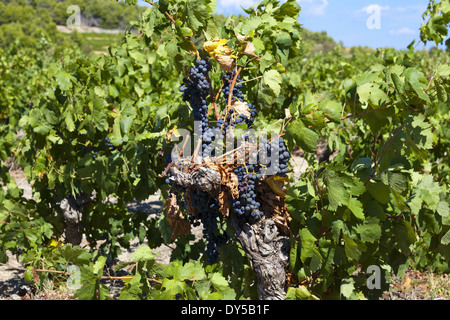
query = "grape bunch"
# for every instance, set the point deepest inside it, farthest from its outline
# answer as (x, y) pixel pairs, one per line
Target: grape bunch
(283, 158)
(195, 88)
(247, 205)
(87, 150)
(227, 81)
(208, 138)
(276, 147)
(233, 119)
(208, 213)
(248, 176)
(109, 144)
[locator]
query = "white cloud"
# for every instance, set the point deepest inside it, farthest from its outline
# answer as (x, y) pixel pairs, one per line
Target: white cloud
(414, 8)
(374, 8)
(314, 7)
(236, 3)
(402, 31)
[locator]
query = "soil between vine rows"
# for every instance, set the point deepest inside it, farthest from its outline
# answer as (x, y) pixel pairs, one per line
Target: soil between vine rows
(413, 285)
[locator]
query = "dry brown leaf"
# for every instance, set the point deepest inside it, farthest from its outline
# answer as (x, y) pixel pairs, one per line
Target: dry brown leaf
(224, 203)
(240, 37)
(233, 185)
(249, 50)
(282, 223)
(229, 180)
(178, 223)
(274, 207)
(218, 168)
(240, 107)
(226, 62)
(287, 113)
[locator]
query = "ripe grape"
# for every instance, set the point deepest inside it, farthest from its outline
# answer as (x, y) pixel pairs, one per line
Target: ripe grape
(196, 88)
(276, 148)
(227, 80)
(232, 119)
(208, 213)
(247, 205)
(109, 144)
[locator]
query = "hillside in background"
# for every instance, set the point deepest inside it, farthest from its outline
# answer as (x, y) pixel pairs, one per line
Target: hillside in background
(29, 21)
(94, 13)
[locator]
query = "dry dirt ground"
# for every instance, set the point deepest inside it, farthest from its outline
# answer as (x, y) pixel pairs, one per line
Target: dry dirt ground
(412, 286)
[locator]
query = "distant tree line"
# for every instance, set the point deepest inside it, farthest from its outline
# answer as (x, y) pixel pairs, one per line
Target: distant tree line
(99, 13)
(318, 41)
(30, 20)
(20, 21)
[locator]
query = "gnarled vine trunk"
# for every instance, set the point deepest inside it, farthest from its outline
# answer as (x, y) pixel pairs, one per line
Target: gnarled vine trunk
(72, 210)
(268, 251)
(265, 244)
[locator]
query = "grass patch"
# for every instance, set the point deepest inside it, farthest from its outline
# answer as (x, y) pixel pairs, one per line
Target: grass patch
(93, 42)
(100, 41)
(415, 285)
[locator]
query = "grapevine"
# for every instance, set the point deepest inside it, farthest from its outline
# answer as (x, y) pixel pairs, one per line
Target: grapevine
(205, 207)
(93, 134)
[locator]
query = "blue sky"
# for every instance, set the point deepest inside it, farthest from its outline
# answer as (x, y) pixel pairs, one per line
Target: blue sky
(374, 23)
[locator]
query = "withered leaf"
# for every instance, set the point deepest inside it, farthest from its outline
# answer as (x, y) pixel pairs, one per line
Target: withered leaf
(226, 62)
(240, 107)
(224, 203)
(249, 50)
(232, 185)
(178, 223)
(277, 186)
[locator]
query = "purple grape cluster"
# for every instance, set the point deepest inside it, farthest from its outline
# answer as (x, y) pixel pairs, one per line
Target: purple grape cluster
(195, 88)
(233, 119)
(109, 143)
(208, 213)
(247, 205)
(276, 147)
(87, 150)
(227, 81)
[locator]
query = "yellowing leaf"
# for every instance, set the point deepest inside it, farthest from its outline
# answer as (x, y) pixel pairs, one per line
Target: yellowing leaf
(221, 53)
(212, 45)
(217, 47)
(277, 178)
(56, 243)
(276, 186)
